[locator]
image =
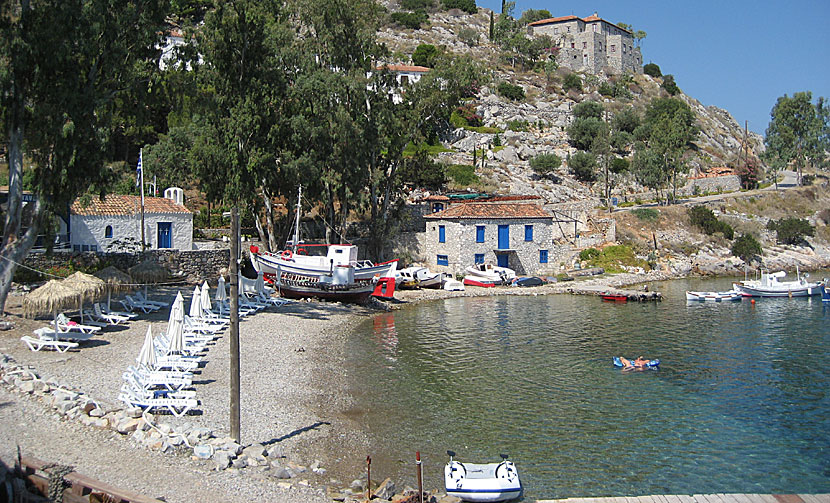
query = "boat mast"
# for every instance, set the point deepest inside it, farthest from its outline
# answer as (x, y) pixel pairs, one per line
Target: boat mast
(296, 239)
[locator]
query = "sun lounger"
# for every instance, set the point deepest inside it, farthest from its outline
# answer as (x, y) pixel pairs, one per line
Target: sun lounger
(201, 327)
(176, 406)
(131, 304)
(140, 297)
(268, 300)
(48, 333)
(189, 348)
(174, 386)
(168, 378)
(113, 319)
(36, 344)
(125, 314)
(66, 325)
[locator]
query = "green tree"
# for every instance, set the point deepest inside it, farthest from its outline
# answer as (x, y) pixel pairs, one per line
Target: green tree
(469, 36)
(791, 231)
(588, 109)
(492, 27)
(545, 164)
(647, 167)
(796, 133)
(468, 6)
(669, 128)
(532, 15)
(425, 55)
(652, 69)
(670, 85)
(572, 81)
(582, 132)
(583, 166)
(62, 65)
(626, 120)
(746, 247)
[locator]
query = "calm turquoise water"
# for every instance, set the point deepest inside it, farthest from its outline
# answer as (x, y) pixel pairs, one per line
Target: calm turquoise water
(740, 403)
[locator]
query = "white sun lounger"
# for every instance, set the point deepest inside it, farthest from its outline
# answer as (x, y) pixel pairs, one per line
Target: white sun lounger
(161, 343)
(36, 344)
(125, 314)
(131, 304)
(65, 325)
(112, 319)
(140, 297)
(48, 333)
(145, 384)
(170, 379)
(177, 406)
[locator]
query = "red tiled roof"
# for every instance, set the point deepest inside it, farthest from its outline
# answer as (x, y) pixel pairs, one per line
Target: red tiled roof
(126, 205)
(406, 68)
(552, 20)
(512, 198)
(491, 210)
(436, 197)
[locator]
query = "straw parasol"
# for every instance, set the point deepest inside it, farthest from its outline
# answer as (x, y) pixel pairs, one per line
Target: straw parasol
(50, 298)
(85, 285)
(117, 281)
(148, 271)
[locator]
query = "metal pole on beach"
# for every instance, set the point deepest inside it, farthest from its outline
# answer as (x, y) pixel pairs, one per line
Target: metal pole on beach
(234, 325)
(420, 476)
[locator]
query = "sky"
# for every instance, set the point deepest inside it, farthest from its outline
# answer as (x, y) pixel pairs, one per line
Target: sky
(738, 55)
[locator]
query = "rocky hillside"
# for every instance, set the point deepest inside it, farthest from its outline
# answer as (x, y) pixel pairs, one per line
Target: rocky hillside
(547, 111)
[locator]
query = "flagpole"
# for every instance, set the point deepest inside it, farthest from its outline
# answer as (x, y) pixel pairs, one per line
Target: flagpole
(141, 174)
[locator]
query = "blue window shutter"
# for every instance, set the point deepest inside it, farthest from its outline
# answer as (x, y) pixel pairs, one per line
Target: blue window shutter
(442, 234)
(528, 233)
(479, 258)
(543, 256)
(443, 260)
(479, 233)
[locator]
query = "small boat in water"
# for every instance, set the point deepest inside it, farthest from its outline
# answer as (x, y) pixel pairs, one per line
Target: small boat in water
(825, 295)
(615, 297)
(482, 482)
(713, 296)
(770, 285)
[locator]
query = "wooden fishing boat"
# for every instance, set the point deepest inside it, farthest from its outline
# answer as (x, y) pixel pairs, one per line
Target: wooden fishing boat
(713, 296)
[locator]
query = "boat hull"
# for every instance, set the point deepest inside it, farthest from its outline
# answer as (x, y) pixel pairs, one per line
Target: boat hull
(269, 263)
(730, 295)
(474, 282)
(482, 483)
(758, 291)
(340, 293)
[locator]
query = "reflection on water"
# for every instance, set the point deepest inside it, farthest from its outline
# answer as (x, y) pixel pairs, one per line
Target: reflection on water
(740, 403)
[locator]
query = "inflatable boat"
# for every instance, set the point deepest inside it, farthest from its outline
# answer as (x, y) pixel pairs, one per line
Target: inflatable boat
(482, 482)
(649, 364)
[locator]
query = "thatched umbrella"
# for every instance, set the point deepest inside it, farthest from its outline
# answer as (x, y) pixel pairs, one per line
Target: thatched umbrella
(148, 271)
(86, 285)
(50, 298)
(117, 281)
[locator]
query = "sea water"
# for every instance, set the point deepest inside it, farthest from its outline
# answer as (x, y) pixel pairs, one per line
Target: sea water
(739, 404)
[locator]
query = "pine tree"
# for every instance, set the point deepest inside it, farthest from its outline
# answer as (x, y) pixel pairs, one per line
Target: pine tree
(492, 26)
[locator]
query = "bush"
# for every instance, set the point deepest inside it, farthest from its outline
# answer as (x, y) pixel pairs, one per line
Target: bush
(703, 218)
(669, 85)
(791, 231)
(468, 6)
(417, 4)
(518, 125)
(545, 164)
(411, 20)
(588, 109)
(497, 141)
(466, 115)
(511, 91)
(420, 170)
(589, 254)
(746, 247)
(615, 258)
(582, 132)
(606, 89)
(469, 36)
(653, 70)
(627, 121)
(572, 81)
(583, 166)
(424, 55)
(619, 165)
(646, 214)
(462, 174)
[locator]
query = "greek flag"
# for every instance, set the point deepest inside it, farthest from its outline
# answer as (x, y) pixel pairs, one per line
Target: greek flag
(138, 170)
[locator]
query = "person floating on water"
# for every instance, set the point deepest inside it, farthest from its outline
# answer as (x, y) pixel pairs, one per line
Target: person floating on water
(637, 363)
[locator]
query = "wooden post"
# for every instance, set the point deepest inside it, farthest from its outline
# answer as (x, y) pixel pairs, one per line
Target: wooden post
(420, 476)
(368, 478)
(235, 434)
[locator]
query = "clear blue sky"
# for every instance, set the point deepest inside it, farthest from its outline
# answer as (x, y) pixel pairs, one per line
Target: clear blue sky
(738, 55)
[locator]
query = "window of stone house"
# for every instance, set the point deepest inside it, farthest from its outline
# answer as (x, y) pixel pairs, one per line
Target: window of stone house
(613, 48)
(404, 79)
(442, 260)
(569, 29)
(543, 256)
(108, 232)
(595, 28)
(478, 258)
(437, 207)
(84, 248)
(584, 45)
(442, 234)
(556, 30)
(623, 49)
(76, 248)
(573, 45)
(528, 233)
(479, 233)
(93, 248)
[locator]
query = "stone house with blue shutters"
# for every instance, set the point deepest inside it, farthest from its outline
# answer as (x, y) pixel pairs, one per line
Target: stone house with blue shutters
(102, 224)
(514, 235)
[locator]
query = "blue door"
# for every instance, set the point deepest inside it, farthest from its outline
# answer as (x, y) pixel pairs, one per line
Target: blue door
(165, 235)
(504, 237)
(502, 260)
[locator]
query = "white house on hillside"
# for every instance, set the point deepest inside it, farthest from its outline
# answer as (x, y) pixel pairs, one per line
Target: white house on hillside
(167, 222)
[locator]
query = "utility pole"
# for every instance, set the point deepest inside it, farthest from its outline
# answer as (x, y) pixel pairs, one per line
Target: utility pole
(234, 267)
(141, 182)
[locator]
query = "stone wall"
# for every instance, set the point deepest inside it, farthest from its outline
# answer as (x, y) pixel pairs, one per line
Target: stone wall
(193, 266)
(714, 184)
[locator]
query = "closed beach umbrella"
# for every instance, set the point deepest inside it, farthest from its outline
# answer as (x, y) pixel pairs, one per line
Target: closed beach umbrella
(147, 356)
(221, 294)
(116, 281)
(260, 284)
(86, 285)
(206, 306)
(196, 303)
(174, 326)
(148, 271)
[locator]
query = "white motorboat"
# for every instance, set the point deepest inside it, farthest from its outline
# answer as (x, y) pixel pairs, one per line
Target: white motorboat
(482, 482)
(296, 259)
(452, 285)
(770, 285)
(418, 277)
(713, 296)
(489, 273)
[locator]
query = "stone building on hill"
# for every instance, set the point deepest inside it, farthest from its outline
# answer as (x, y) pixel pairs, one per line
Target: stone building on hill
(591, 44)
